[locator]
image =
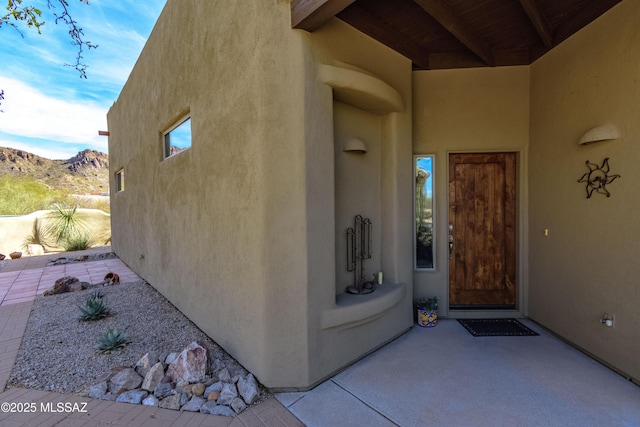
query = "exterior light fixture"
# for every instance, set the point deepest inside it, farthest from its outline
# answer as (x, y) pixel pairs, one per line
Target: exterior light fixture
(355, 145)
(600, 133)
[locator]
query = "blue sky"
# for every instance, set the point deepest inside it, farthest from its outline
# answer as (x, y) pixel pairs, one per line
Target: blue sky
(48, 109)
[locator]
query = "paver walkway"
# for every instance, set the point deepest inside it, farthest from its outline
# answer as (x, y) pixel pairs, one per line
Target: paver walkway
(20, 281)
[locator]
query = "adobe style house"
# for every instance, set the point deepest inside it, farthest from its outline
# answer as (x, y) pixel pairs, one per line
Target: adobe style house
(251, 133)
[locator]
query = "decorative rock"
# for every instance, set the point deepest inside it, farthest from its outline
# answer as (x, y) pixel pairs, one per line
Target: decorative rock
(97, 391)
(107, 376)
(132, 396)
(197, 389)
(173, 402)
(63, 285)
(109, 396)
(182, 384)
(248, 388)
(34, 249)
(171, 358)
(186, 389)
(15, 255)
(228, 393)
(2, 256)
(223, 410)
(238, 405)
(153, 377)
(146, 362)
(207, 407)
(216, 365)
(214, 395)
(213, 387)
(163, 390)
(126, 378)
(194, 404)
(224, 375)
(191, 364)
(151, 401)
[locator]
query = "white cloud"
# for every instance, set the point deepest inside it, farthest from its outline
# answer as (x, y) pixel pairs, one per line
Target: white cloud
(48, 152)
(30, 113)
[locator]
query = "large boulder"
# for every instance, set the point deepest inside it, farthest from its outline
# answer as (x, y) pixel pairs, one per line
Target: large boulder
(190, 365)
(65, 284)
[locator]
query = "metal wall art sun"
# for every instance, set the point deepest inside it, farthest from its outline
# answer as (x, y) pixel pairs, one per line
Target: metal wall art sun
(597, 178)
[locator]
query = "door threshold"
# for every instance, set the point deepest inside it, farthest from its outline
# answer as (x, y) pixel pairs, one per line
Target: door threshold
(485, 314)
(456, 307)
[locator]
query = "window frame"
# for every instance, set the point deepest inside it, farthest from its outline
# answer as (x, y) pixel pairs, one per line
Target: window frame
(119, 176)
(416, 159)
(166, 137)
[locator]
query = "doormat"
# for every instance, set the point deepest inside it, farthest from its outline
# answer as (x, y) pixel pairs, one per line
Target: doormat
(496, 328)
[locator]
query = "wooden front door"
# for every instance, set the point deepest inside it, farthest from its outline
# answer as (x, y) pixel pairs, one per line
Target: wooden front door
(482, 243)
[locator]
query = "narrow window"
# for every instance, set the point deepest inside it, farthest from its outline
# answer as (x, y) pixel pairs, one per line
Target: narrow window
(178, 138)
(424, 210)
(120, 180)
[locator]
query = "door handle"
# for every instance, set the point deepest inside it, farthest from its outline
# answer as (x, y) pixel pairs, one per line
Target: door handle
(450, 243)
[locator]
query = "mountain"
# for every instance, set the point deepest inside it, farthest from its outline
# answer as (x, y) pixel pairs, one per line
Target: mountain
(85, 173)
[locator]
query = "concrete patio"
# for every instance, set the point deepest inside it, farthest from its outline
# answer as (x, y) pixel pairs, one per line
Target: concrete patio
(444, 376)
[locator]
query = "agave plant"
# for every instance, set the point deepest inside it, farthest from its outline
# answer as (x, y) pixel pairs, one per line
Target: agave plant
(111, 341)
(94, 307)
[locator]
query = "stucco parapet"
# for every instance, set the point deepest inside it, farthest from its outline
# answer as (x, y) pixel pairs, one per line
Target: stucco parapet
(361, 89)
(352, 310)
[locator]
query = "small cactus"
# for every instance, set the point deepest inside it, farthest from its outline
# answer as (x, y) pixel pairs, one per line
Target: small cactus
(94, 307)
(111, 341)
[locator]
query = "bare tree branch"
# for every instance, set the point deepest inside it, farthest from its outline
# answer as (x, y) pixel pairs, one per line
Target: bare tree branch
(18, 14)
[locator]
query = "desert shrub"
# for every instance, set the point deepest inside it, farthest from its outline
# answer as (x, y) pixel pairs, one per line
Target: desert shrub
(78, 242)
(23, 195)
(101, 203)
(37, 236)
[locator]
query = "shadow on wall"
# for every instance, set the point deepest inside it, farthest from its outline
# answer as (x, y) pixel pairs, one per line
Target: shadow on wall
(54, 230)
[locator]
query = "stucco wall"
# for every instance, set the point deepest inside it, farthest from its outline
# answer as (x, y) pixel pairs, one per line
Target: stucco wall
(588, 263)
(212, 225)
(469, 110)
(239, 230)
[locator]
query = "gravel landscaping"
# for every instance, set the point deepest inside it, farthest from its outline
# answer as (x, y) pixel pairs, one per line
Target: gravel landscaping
(58, 354)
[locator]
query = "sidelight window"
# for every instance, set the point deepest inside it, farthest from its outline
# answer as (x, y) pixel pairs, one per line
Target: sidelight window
(424, 212)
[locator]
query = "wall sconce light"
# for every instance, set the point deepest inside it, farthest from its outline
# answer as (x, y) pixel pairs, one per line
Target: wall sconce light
(355, 145)
(600, 133)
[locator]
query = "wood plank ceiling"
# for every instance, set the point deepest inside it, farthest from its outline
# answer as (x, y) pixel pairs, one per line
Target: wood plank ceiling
(442, 34)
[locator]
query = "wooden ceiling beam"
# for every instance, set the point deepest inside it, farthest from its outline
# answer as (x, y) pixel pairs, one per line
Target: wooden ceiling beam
(312, 14)
(449, 19)
(539, 21)
(362, 20)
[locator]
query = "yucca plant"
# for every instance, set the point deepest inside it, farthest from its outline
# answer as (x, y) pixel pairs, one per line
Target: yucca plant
(111, 341)
(94, 308)
(64, 225)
